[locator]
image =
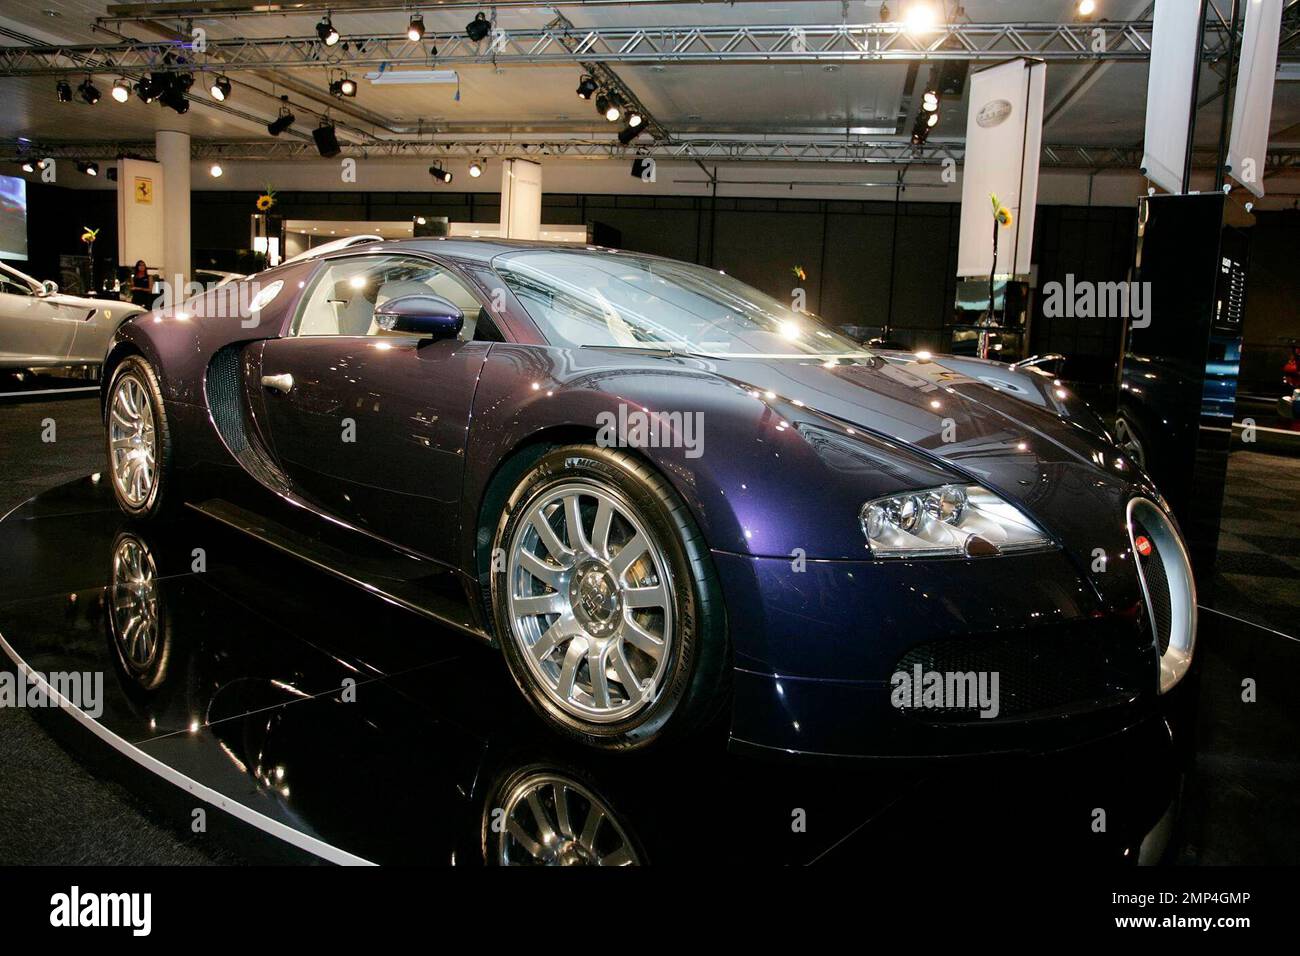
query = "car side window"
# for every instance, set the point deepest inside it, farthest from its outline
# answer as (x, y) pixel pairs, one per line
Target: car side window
(11, 287)
(344, 297)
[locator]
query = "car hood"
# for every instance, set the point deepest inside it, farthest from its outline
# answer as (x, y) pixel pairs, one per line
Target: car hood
(1070, 480)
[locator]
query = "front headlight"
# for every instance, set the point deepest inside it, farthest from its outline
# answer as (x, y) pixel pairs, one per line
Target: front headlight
(950, 521)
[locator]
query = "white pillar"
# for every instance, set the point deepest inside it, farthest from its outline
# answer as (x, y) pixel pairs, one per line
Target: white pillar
(173, 147)
(521, 199)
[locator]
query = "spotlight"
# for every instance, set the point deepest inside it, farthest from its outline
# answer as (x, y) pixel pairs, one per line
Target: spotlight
(614, 112)
(476, 169)
(215, 170)
(220, 89)
(29, 167)
(1087, 8)
(344, 86)
(440, 174)
(327, 142)
(919, 17)
(325, 30)
(586, 86)
(149, 87)
(88, 91)
(90, 169)
(933, 120)
(629, 133)
(635, 119)
(930, 100)
(63, 91)
(281, 122)
(121, 91)
(174, 98)
(479, 27)
(415, 32)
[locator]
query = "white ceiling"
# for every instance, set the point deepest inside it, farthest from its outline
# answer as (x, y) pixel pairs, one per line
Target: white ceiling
(755, 98)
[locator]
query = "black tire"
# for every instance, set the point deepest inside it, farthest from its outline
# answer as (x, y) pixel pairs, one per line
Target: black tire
(160, 497)
(696, 681)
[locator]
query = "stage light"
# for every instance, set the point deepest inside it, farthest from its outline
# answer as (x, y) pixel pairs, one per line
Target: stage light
(29, 167)
(174, 98)
(63, 91)
(586, 86)
(88, 91)
(148, 88)
(479, 27)
(476, 169)
(933, 120)
(281, 122)
(121, 92)
(635, 119)
(90, 169)
(415, 32)
(440, 174)
(215, 170)
(930, 101)
(919, 17)
(1087, 8)
(220, 89)
(343, 86)
(629, 133)
(609, 106)
(325, 30)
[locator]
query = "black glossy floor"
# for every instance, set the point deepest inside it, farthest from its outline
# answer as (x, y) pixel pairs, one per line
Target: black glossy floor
(234, 677)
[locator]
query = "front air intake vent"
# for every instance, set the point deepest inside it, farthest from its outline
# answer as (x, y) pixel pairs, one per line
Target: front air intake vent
(1168, 589)
(225, 401)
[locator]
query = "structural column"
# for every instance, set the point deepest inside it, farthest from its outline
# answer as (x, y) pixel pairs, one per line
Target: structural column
(173, 150)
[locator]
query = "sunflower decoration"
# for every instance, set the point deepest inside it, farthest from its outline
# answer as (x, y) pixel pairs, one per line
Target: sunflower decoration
(266, 200)
(1001, 214)
(800, 274)
(88, 235)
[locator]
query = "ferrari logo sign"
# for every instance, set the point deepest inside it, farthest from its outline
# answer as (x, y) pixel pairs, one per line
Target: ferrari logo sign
(144, 190)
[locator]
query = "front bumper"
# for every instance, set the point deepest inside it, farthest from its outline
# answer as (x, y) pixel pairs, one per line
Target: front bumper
(815, 651)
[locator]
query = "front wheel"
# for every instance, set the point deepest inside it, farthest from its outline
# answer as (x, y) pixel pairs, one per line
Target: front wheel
(606, 602)
(139, 442)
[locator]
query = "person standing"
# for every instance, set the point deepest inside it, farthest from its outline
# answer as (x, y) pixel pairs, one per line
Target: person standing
(141, 285)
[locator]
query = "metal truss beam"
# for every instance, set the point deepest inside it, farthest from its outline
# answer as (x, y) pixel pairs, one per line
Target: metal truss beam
(702, 149)
(837, 43)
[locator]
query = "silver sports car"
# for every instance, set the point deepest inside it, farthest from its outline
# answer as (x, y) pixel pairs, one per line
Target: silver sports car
(41, 327)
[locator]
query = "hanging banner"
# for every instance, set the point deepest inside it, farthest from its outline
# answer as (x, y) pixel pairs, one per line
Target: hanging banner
(1169, 91)
(1004, 133)
(1253, 108)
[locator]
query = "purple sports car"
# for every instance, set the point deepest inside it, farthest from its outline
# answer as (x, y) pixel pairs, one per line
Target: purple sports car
(668, 498)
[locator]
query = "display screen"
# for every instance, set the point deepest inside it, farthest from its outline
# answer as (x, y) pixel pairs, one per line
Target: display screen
(13, 218)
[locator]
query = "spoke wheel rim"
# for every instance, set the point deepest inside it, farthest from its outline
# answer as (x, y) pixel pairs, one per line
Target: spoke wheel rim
(549, 819)
(133, 445)
(1127, 440)
(134, 607)
(592, 613)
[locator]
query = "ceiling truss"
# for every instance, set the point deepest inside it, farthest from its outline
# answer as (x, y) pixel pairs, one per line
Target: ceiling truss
(560, 44)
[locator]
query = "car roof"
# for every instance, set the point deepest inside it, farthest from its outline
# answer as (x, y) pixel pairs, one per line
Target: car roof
(482, 250)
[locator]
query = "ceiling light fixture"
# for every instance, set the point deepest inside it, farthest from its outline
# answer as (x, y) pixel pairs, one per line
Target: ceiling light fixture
(440, 174)
(283, 121)
(215, 170)
(415, 32)
(121, 91)
(63, 91)
(89, 92)
(476, 169)
(586, 86)
(479, 27)
(220, 89)
(1087, 8)
(90, 169)
(919, 17)
(325, 30)
(635, 119)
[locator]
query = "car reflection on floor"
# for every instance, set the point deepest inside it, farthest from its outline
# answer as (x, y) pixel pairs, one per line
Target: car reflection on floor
(322, 711)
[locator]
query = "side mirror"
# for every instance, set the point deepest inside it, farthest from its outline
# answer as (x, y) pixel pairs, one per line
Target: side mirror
(421, 315)
(49, 287)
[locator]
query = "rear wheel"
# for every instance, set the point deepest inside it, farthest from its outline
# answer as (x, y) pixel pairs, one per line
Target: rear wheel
(606, 602)
(139, 442)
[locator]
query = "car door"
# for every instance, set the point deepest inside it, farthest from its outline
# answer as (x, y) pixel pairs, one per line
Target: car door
(33, 330)
(371, 426)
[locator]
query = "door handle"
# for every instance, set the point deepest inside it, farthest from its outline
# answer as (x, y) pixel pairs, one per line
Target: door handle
(281, 383)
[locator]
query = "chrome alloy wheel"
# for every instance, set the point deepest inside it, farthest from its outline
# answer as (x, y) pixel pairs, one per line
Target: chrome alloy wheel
(133, 441)
(134, 604)
(1128, 440)
(590, 601)
(548, 819)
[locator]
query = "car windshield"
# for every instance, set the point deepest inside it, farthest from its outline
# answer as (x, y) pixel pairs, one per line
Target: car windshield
(615, 299)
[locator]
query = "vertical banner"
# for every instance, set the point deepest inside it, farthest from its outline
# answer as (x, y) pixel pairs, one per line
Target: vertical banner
(1253, 108)
(1004, 133)
(521, 199)
(1174, 61)
(140, 213)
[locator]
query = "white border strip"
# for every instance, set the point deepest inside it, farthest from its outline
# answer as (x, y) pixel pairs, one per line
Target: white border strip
(236, 809)
(50, 391)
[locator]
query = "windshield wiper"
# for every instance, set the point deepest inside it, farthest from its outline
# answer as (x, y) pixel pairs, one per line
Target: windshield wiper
(667, 350)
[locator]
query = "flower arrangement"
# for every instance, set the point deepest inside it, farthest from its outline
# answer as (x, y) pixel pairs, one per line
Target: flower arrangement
(88, 236)
(266, 200)
(800, 274)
